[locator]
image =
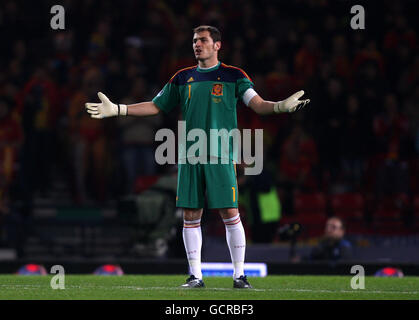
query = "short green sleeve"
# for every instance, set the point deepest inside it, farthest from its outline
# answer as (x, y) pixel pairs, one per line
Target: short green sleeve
(168, 97)
(242, 85)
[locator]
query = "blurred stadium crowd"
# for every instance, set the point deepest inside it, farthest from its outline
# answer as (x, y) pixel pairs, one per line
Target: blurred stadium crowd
(358, 139)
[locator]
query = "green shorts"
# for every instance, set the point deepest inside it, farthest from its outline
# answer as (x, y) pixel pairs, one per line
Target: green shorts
(218, 181)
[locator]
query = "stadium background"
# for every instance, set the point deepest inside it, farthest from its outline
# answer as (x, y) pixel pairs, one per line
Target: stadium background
(85, 192)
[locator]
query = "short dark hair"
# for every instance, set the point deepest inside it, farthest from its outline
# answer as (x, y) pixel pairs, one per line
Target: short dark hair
(214, 32)
(342, 222)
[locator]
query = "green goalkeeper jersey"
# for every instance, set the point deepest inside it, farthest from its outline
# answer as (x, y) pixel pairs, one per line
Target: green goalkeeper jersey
(208, 99)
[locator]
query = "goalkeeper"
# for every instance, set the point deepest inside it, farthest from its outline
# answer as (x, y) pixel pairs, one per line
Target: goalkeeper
(207, 95)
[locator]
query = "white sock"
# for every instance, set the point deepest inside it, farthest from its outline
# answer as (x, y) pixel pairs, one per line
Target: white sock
(192, 239)
(236, 241)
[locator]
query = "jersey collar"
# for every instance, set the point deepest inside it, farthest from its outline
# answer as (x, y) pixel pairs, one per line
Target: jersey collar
(209, 69)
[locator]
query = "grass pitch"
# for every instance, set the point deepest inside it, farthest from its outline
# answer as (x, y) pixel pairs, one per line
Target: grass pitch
(166, 287)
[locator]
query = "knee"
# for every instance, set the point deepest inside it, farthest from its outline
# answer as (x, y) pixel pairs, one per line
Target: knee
(192, 214)
(227, 213)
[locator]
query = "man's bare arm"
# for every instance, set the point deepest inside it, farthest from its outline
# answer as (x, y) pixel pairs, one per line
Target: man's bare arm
(142, 109)
(290, 104)
(260, 106)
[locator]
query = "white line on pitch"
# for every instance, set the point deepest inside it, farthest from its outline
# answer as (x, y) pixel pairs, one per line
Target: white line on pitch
(33, 286)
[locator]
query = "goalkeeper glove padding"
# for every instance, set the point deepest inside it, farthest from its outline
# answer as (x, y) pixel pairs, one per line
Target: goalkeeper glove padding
(292, 103)
(106, 108)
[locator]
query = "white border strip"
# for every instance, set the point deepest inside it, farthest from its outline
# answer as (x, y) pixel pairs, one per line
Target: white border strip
(250, 268)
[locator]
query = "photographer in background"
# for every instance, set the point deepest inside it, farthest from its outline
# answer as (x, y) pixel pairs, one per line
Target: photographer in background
(332, 246)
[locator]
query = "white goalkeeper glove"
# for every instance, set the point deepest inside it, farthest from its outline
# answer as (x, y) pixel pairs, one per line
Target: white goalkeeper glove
(106, 108)
(291, 104)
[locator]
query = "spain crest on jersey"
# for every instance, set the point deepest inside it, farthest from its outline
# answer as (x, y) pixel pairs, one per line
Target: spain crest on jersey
(217, 89)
